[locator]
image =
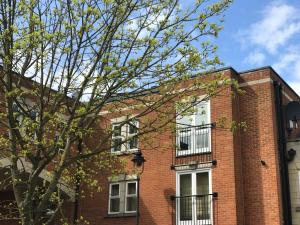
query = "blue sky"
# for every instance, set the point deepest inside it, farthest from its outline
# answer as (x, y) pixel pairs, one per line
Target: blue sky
(263, 32)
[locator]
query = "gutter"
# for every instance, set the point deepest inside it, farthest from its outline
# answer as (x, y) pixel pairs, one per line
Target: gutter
(283, 166)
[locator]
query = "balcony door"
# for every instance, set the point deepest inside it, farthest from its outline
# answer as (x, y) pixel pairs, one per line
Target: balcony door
(193, 202)
(193, 134)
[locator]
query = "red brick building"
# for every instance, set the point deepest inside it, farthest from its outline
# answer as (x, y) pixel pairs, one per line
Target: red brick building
(205, 174)
(215, 176)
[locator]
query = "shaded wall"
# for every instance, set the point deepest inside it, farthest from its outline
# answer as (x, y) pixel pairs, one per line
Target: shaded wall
(294, 175)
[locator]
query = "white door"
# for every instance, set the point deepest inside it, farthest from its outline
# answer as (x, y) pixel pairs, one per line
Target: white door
(193, 204)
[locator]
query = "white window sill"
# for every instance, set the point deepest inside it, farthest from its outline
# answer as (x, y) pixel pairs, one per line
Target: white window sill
(113, 215)
(128, 152)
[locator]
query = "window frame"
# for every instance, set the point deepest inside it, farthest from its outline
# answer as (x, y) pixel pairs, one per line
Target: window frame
(194, 192)
(114, 197)
(125, 136)
(123, 190)
(192, 133)
(130, 195)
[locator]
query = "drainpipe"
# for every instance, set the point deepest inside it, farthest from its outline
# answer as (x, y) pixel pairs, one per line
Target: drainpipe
(77, 186)
(138, 202)
(284, 173)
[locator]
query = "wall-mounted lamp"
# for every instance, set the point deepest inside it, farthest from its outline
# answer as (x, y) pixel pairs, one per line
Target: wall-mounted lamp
(138, 159)
(291, 155)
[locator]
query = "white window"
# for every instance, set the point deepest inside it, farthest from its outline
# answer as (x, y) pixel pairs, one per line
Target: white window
(131, 197)
(125, 136)
(194, 199)
(193, 131)
(114, 198)
(122, 197)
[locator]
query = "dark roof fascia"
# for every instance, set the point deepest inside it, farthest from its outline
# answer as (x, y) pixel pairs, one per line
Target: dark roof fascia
(255, 69)
(216, 71)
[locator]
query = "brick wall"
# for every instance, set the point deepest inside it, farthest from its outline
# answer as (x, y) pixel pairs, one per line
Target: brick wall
(259, 143)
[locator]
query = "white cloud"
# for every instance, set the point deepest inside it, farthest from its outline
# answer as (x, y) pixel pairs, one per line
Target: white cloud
(273, 38)
(279, 23)
(152, 23)
(256, 58)
(289, 62)
(295, 85)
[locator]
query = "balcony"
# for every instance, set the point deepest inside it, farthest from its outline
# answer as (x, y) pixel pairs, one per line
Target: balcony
(193, 209)
(193, 145)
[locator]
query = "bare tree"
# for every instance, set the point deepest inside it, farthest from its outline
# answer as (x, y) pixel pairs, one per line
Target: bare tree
(66, 61)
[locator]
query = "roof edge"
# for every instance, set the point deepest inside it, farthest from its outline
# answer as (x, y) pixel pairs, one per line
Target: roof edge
(216, 71)
(256, 69)
(274, 71)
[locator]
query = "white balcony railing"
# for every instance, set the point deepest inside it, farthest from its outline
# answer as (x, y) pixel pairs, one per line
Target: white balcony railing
(193, 140)
(194, 209)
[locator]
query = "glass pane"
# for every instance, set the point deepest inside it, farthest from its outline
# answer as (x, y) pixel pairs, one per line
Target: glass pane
(185, 139)
(202, 114)
(186, 208)
(133, 143)
(114, 191)
(202, 138)
(131, 204)
(33, 114)
(133, 128)
(202, 184)
(117, 144)
(115, 205)
(131, 188)
(185, 202)
(203, 203)
(116, 130)
(185, 184)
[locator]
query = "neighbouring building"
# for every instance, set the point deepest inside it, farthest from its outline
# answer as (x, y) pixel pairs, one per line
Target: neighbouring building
(294, 174)
(292, 116)
(204, 174)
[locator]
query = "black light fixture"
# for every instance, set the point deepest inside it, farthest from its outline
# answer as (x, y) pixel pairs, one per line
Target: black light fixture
(138, 159)
(291, 155)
